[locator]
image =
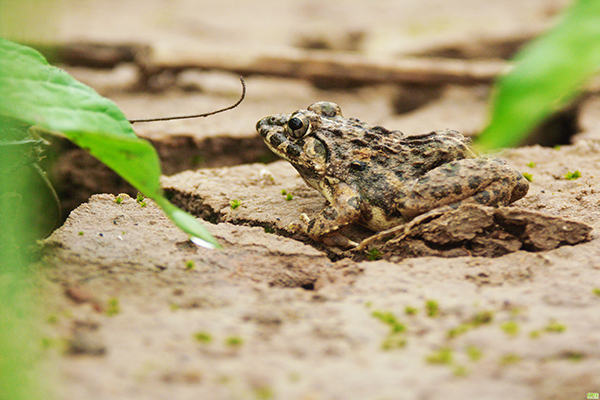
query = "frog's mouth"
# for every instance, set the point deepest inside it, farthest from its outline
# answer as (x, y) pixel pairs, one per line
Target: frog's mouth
(272, 130)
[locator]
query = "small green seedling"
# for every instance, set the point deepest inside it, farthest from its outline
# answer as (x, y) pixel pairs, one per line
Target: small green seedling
(534, 334)
(511, 328)
(528, 176)
(141, 199)
(442, 356)
(461, 371)
(119, 199)
(571, 176)
(432, 307)
(264, 393)
(235, 203)
(531, 164)
(389, 319)
(482, 318)
(474, 353)
(393, 341)
(510, 358)
(234, 341)
(189, 265)
(374, 254)
(555, 327)
(113, 307)
(202, 337)
(408, 310)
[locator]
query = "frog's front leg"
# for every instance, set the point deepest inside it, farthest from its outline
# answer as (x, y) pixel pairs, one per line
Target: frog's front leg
(345, 209)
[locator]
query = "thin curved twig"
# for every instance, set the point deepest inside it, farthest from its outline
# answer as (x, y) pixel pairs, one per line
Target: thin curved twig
(133, 121)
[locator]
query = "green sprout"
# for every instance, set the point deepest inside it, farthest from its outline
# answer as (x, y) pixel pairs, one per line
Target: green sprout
(141, 199)
(531, 164)
(482, 318)
(389, 319)
(511, 328)
(460, 371)
(393, 341)
(408, 310)
(113, 307)
(478, 319)
(596, 291)
(510, 358)
(555, 327)
(442, 356)
(474, 353)
(573, 356)
(264, 393)
(234, 204)
(571, 176)
(119, 199)
(189, 265)
(432, 307)
(534, 334)
(374, 254)
(459, 330)
(527, 176)
(234, 341)
(202, 337)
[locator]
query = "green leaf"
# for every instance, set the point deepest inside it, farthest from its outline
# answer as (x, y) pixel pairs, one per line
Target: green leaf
(547, 74)
(46, 97)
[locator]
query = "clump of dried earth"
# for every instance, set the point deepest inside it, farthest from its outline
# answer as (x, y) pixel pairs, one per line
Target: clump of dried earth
(136, 311)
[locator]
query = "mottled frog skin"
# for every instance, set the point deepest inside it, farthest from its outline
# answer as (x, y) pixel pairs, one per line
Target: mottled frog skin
(380, 178)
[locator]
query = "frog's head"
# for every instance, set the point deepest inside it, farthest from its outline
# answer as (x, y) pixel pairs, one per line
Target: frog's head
(302, 138)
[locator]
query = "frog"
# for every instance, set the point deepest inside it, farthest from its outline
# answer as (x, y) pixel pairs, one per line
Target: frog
(381, 178)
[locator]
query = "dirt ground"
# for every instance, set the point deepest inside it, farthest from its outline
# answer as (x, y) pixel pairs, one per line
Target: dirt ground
(136, 311)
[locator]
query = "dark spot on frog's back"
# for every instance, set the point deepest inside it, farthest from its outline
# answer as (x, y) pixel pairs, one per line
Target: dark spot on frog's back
(440, 192)
(474, 182)
(358, 165)
(359, 143)
(457, 188)
(483, 197)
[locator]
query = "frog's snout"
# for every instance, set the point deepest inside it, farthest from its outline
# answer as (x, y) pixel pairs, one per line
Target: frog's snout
(267, 123)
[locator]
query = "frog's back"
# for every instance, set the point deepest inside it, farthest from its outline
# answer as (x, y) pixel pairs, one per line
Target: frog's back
(379, 150)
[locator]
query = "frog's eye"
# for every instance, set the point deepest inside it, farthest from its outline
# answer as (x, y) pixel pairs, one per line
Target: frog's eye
(298, 126)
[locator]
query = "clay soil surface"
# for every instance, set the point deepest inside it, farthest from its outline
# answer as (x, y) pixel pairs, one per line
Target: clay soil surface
(136, 311)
